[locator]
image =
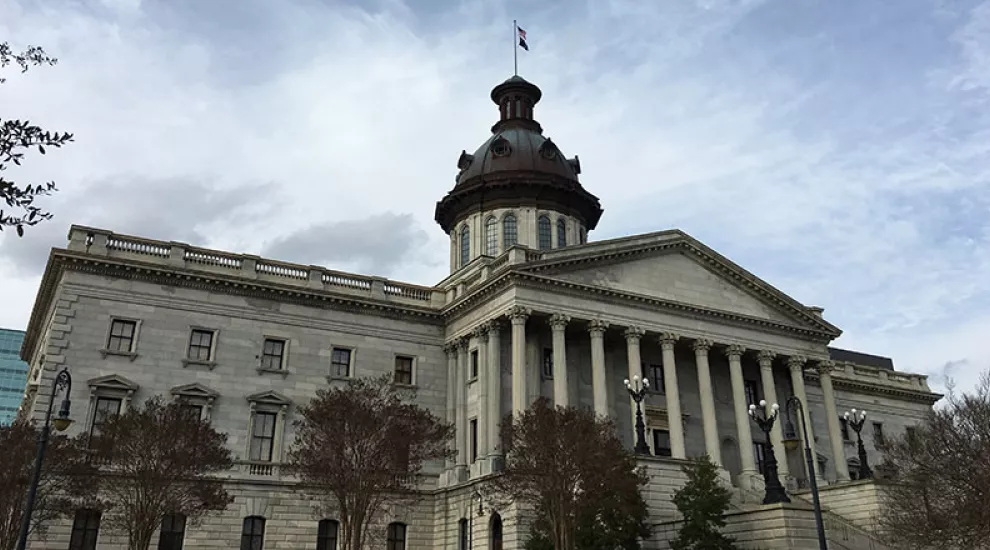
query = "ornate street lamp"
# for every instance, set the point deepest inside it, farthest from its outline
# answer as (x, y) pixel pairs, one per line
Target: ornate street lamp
(637, 390)
(765, 420)
(856, 419)
(794, 406)
(61, 422)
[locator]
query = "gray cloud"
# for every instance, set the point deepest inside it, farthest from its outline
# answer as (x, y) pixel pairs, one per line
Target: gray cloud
(174, 209)
(375, 245)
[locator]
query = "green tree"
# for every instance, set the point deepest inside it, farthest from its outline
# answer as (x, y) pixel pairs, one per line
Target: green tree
(702, 502)
(17, 137)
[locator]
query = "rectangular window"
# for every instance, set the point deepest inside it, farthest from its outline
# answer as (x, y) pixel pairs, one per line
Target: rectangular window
(911, 433)
(121, 335)
(547, 363)
(844, 424)
(760, 454)
(474, 364)
(877, 434)
(404, 370)
(253, 533)
(172, 533)
(326, 536)
(273, 354)
(263, 437)
(653, 373)
(85, 530)
(661, 442)
(752, 389)
(474, 439)
(340, 362)
(106, 407)
(192, 410)
(201, 345)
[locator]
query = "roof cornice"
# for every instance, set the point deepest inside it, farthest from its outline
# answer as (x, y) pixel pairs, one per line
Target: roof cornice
(871, 388)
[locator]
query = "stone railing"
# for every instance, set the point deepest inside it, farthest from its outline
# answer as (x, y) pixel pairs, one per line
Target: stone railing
(482, 269)
(257, 469)
(843, 371)
(100, 242)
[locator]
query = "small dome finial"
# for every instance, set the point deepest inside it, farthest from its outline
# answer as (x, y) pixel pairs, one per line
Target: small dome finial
(516, 98)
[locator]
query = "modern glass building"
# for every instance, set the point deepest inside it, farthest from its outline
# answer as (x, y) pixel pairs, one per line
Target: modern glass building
(13, 374)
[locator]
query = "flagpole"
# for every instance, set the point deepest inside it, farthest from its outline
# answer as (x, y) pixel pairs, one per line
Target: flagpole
(515, 49)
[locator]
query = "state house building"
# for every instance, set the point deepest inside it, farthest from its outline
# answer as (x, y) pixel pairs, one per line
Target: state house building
(531, 308)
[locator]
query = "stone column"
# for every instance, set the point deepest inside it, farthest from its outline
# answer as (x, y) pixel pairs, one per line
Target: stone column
(766, 358)
(558, 325)
(461, 429)
(597, 328)
(832, 415)
(494, 449)
(518, 316)
(451, 350)
(481, 333)
(744, 431)
(795, 364)
(701, 348)
(676, 424)
(634, 358)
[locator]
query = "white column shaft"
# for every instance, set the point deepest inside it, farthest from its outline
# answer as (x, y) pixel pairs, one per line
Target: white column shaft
(832, 414)
(598, 378)
(494, 389)
(451, 350)
(519, 400)
(739, 406)
(708, 418)
(483, 380)
(634, 360)
(796, 366)
(770, 395)
(461, 430)
(558, 325)
(677, 448)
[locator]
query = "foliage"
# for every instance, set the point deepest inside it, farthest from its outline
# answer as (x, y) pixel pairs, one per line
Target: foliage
(939, 492)
(16, 136)
(360, 447)
(702, 502)
(573, 470)
(66, 479)
(160, 459)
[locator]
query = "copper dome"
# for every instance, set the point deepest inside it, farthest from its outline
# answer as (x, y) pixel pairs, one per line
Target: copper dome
(517, 166)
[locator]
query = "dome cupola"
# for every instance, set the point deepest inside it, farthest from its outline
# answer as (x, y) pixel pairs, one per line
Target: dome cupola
(520, 173)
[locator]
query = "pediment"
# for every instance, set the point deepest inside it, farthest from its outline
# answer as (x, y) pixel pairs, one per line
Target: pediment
(673, 267)
(112, 382)
(269, 398)
(194, 390)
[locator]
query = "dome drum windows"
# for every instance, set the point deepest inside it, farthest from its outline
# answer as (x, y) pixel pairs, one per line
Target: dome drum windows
(491, 236)
(544, 232)
(561, 233)
(465, 245)
(510, 231)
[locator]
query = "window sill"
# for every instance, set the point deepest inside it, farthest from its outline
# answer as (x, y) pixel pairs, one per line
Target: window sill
(472, 380)
(283, 372)
(129, 354)
(186, 363)
(404, 386)
(333, 379)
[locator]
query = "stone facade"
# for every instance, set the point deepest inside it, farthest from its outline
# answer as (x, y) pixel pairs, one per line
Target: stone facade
(132, 317)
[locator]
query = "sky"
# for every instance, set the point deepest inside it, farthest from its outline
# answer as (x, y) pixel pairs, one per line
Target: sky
(838, 149)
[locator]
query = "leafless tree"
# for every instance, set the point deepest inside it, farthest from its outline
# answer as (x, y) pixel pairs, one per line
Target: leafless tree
(359, 449)
(938, 492)
(570, 467)
(67, 479)
(159, 459)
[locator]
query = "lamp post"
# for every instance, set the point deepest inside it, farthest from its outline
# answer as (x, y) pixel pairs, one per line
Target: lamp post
(61, 422)
(794, 405)
(637, 390)
(856, 419)
(775, 491)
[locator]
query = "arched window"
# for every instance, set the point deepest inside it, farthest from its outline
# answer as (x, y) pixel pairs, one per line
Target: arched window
(465, 245)
(543, 232)
(326, 536)
(496, 532)
(510, 233)
(396, 536)
(172, 532)
(462, 534)
(253, 533)
(561, 233)
(491, 236)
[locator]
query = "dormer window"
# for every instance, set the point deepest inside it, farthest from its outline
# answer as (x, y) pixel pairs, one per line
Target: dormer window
(501, 148)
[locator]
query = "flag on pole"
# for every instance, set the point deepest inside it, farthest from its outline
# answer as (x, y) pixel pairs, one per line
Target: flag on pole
(522, 38)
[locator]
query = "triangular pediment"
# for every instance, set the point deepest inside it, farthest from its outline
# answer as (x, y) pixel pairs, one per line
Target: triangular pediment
(194, 390)
(673, 267)
(112, 382)
(269, 398)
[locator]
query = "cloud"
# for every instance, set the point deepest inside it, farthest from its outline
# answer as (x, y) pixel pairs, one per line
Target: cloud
(375, 245)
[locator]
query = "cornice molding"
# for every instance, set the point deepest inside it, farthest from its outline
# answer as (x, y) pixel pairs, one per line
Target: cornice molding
(869, 388)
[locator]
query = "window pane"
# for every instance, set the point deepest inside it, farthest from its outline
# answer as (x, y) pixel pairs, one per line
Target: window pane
(327, 535)
(509, 231)
(491, 236)
(543, 233)
(465, 246)
(561, 233)
(403, 370)
(340, 362)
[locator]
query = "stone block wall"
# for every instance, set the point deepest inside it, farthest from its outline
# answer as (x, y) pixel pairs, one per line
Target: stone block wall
(858, 502)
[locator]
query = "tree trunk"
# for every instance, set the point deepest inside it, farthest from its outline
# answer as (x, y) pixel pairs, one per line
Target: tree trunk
(140, 538)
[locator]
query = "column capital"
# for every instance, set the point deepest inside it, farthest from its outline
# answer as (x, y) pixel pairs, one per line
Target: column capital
(597, 327)
(824, 367)
(463, 344)
(796, 362)
(766, 357)
(481, 332)
(450, 348)
(668, 339)
(493, 325)
(519, 314)
(558, 321)
(734, 350)
(701, 346)
(634, 333)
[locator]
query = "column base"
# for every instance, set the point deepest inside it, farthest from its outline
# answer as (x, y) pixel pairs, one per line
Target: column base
(460, 473)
